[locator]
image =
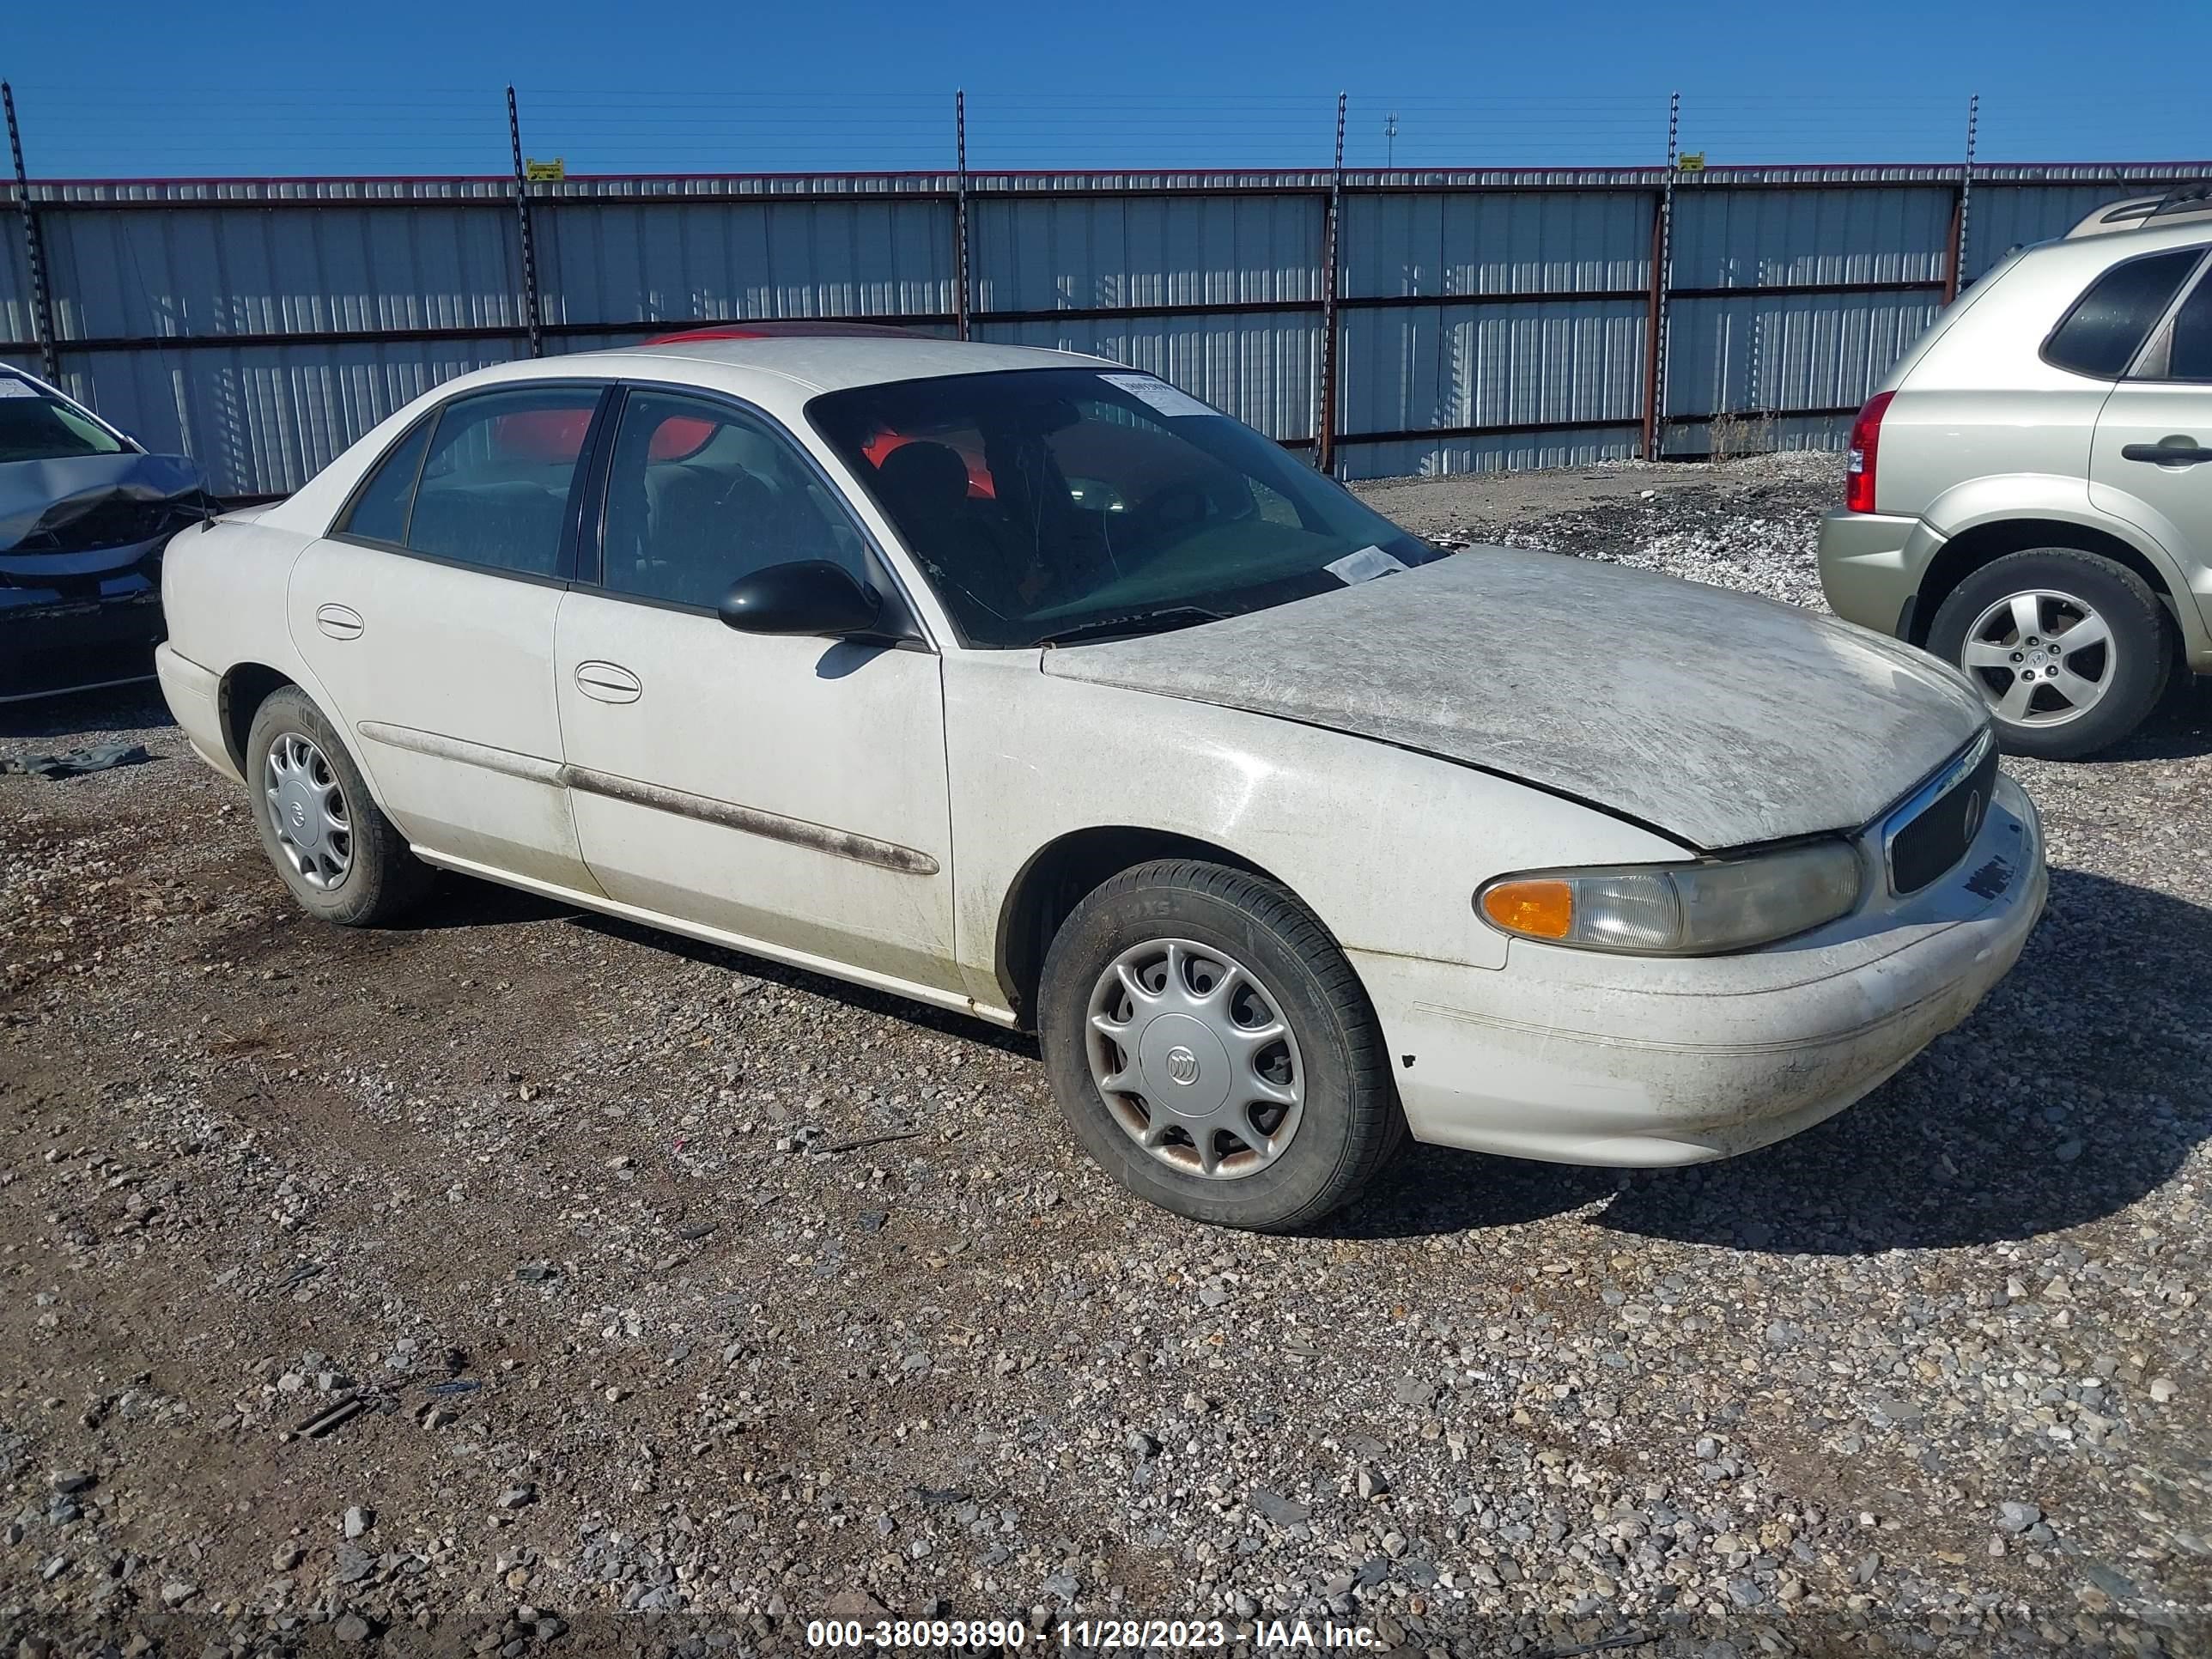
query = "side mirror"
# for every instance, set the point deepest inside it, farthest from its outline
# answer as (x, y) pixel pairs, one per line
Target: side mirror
(812, 596)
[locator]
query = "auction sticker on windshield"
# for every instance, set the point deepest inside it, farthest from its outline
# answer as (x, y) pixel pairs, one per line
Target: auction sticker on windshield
(1158, 394)
(1363, 564)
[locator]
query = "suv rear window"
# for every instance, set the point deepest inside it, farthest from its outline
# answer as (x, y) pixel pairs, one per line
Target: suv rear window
(2102, 333)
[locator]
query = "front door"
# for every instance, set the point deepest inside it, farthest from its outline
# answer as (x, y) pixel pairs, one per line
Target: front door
(427, 615)
(2151, 463)
(790, 791)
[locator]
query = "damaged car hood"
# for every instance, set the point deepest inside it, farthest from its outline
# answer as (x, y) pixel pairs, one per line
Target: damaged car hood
(1720, 717)
(52, 506)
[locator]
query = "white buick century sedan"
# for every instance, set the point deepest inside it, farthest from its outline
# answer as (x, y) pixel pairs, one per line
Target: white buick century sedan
(1021, 684)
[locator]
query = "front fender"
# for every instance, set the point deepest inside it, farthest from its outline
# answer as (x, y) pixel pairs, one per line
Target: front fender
(1385, 846)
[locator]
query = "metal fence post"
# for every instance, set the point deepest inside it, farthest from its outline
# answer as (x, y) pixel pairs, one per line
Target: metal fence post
(530, 310)
(1654, 303)
(1967, 188)
(961, 308)
(1662, 278)
(34, 249)
(1325, 421)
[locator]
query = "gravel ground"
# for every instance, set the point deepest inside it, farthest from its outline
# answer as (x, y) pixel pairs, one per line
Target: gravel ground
(500, 1283)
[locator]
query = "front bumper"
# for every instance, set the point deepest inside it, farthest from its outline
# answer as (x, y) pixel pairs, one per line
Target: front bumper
(1576, 1057)
(1871, 565)
(95, 625)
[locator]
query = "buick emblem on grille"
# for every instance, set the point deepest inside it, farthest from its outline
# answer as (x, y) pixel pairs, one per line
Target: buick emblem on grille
(1182, 1066)
(1976, 807)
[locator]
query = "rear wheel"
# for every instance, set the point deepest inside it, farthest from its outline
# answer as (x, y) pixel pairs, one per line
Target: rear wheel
(2069, 650)
(342, 858)
(1212, 1050)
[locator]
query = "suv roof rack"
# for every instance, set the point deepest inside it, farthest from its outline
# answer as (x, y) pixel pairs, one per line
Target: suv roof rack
(2183, 200)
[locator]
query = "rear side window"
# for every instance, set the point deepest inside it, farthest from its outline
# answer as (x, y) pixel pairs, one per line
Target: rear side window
(379, 512)
(2189, 354)
(2102, 333)
(496, 483)
(486, 480)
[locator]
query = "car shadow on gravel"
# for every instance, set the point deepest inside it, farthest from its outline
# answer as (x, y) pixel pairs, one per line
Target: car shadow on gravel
(2078, 1087)
(944, 1020)
(134, 708)
(460, 901)
(2179, 729)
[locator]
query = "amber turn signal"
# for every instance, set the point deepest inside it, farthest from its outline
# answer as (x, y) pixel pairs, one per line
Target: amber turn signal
(1538, 908)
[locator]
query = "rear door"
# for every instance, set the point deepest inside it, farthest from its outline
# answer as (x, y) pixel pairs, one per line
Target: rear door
(426, 616)
(789, 791)
(2151, 463)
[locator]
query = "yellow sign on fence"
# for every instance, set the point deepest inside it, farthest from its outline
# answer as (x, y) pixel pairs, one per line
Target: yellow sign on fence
(1691, 160)
(545, 172)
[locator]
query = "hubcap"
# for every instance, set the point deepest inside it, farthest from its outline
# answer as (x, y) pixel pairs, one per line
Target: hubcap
(308, 811)
(2041, 658)
(1193, 1057)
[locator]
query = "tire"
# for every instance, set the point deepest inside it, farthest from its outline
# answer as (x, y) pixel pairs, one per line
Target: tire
(352, 867)
(2085, 698)
(1281, 962)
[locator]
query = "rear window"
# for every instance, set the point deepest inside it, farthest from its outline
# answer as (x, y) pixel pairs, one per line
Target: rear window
(2107, 327)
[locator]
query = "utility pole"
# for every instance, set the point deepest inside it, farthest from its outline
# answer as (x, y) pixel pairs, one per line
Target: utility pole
(1391, 139)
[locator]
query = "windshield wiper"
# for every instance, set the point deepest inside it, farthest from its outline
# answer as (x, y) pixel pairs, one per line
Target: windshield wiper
(1143, 622)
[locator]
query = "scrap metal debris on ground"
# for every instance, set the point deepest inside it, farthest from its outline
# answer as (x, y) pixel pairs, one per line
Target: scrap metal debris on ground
(75, 762)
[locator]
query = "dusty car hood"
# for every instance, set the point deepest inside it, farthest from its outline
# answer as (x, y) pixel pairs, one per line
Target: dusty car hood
(1719, 717)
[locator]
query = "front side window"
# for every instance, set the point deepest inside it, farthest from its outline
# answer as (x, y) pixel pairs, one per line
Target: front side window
(1063, 502)
(700, 493)
(37, 426)
(487, 481)
(2107, 327)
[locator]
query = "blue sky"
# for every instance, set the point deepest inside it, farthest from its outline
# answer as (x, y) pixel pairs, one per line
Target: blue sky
(125, 86)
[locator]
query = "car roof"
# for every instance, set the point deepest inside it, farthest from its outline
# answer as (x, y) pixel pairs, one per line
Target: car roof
(831, 362)
(778, 371)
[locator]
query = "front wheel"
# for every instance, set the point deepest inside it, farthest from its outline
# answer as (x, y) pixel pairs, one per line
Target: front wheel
(2069, 650)
(1212, 1050)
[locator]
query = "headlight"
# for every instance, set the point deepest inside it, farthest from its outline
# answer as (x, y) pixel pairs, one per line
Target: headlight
(1679, 909)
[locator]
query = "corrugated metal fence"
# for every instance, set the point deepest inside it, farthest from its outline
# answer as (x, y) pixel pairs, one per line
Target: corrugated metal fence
(1484, 320)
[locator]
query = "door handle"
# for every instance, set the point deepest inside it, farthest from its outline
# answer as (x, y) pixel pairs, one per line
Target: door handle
(340, 622)
(608, 682)
(2178, 450)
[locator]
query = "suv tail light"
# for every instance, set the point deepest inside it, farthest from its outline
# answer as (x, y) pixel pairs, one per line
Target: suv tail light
(1866, 444)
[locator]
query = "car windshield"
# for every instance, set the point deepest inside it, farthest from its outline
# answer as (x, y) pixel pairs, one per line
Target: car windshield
(1055, 503)
(37, 426)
